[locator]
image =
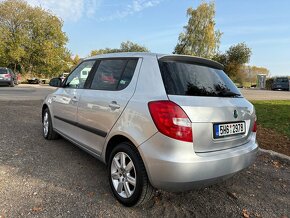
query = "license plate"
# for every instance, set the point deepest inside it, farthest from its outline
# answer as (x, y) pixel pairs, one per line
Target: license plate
(228, 129)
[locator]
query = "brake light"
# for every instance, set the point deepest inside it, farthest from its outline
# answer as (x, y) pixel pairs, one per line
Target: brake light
(255, 126)
(7, 76)
(171, 120)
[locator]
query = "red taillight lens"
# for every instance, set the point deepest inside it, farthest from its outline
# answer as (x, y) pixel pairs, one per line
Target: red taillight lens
(7, 76)
(255, 126)
(171, 120)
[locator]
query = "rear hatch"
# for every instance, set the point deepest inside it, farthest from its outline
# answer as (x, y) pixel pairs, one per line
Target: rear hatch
(221, 118)
(3, 73)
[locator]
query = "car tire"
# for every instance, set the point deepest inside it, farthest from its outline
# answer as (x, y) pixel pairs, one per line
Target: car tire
(47, 130)
(129, 181)
(12, 84)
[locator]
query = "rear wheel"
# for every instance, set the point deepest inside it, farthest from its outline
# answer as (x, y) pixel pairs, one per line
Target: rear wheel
(12, 84)
(127, 176)
(48, 132)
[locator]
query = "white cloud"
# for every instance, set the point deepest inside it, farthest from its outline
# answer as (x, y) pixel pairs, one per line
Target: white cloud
(73, 10)
(134, 7)
(68, 9)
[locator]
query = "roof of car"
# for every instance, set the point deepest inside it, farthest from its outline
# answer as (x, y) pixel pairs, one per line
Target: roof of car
(168, 57)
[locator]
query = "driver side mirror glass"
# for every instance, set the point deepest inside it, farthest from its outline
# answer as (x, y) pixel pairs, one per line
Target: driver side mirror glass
(55, 82)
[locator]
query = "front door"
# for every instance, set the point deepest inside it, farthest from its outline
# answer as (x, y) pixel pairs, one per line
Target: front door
(66, 99)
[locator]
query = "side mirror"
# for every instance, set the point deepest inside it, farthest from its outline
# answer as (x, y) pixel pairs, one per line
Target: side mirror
(55, 82)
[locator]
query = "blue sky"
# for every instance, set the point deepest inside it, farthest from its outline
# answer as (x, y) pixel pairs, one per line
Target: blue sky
(93, 24)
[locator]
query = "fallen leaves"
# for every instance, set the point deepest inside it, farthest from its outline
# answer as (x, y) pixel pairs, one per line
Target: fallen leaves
(245, 213)
(232, 195)
(37, 209)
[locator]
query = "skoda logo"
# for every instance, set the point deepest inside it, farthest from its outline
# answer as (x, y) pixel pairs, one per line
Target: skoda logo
(235, 114)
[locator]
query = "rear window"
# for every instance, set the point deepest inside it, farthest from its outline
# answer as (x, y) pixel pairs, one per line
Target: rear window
(182, 78)
(3, 71)
(282, 80)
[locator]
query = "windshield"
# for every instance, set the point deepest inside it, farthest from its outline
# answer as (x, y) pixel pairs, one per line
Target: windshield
(182, 78)
(3, 71)
(281, 80)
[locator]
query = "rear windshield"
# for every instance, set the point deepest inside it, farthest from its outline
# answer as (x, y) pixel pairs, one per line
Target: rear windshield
(3, 71)
(182, 78)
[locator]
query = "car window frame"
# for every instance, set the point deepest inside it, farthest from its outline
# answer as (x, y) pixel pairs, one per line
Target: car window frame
(88, 78)
(117, 85)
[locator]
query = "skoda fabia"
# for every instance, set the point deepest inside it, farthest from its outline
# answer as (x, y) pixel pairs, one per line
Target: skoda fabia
(157, 121)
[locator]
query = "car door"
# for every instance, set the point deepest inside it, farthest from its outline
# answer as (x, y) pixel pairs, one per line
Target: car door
(100, 106)
(65, 100)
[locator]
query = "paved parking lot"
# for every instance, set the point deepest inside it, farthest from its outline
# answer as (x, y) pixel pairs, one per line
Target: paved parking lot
(253, 94)
(40, 178)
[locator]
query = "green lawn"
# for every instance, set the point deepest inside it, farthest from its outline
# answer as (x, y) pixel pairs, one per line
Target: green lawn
(274, 115)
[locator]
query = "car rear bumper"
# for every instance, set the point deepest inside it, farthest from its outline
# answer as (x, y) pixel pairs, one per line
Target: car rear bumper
(5, 82)
(174, 166)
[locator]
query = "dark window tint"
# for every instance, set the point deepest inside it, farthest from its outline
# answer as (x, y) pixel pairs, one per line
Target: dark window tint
(113, 74)
(128, 74)
(282, 80)
(3, 71)
(189, 79)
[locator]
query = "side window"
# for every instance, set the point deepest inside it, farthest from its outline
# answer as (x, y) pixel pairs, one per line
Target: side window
(108, 74)
(79, 76)
(114, 74)
(128, 74)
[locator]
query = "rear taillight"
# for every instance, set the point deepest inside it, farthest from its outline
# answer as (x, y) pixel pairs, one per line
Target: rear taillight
(7, 76)
(255, 126)
(171, 120)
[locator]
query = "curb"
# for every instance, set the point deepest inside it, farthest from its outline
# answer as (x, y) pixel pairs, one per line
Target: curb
(275, 154)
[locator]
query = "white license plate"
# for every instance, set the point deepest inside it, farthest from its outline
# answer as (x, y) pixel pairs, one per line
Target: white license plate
(229, 129)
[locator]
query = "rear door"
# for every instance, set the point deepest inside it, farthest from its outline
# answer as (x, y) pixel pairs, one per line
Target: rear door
(100, 106)
(221, 118)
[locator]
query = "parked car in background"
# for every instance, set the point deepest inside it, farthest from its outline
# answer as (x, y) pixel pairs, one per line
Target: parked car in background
(281, 83)
(63, 76)
(8, 77)
(165, 121)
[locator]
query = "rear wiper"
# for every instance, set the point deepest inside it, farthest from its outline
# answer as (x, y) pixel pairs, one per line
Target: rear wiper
(229, 94)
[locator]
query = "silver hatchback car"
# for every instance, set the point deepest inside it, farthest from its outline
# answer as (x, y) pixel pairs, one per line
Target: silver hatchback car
(157, 121)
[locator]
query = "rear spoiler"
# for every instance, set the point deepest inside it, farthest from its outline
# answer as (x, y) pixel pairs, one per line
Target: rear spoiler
(192, 59)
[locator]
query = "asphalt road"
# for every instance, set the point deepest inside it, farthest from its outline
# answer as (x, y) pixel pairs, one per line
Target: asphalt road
(40, 178)
(253, 94)
(25, 92)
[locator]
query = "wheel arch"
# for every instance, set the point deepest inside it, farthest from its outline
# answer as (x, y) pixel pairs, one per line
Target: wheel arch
(114, 141)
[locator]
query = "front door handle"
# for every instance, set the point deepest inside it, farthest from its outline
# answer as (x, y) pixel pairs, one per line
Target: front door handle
(114, 105)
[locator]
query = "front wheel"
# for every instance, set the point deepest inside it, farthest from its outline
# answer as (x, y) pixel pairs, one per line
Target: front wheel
(48, 132)
(127, 176)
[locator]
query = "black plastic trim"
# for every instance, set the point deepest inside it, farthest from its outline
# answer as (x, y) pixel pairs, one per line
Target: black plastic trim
(84, 127)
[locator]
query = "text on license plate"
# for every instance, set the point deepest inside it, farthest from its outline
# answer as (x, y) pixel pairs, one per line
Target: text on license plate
(228, 129)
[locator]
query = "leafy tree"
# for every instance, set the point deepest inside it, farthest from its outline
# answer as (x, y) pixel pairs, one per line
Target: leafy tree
(127, 46)
(199, 37)
(251, 73)
(13, 28)
(32, 37)
(234, 59)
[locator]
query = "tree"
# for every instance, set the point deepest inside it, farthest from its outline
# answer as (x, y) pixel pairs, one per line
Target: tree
(32, 37)
(127, 46)
(199, 37)
(251, 73)
(234, 59)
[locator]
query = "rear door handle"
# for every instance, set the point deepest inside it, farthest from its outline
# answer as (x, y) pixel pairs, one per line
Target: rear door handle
(114, 105)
